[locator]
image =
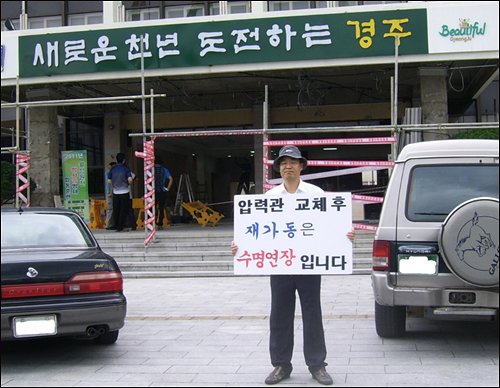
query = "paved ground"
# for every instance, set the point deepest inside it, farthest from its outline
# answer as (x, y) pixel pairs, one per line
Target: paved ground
(214, 332)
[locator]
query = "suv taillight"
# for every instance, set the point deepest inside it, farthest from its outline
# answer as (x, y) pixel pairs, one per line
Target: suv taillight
(381, 255)
(84, 283)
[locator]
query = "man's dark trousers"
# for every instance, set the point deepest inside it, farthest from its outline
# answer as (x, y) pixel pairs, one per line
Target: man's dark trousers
(121, 204)
(282, 320)
(161, 199)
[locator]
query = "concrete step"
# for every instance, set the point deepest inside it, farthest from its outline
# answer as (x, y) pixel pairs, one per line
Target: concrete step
(196, 265)
(168, 255)
(193, 251)
(180, 274)
(177, 266)
(167, 247)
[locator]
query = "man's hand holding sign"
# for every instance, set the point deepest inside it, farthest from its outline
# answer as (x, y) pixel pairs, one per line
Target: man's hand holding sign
(294, 238)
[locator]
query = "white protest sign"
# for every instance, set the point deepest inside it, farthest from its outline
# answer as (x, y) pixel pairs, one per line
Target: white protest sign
(293, 234)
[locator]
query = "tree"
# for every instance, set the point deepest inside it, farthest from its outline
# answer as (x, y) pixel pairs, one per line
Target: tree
(9, 182)
(478, 133)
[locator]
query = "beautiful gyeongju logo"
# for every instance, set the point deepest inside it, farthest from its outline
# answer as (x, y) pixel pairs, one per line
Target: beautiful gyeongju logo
(465, 32)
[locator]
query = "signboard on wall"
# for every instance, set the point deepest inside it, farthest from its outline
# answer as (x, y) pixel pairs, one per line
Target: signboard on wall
(328, 34)
(225, 42)
(75, 183)
(293, 234)
(463, 28)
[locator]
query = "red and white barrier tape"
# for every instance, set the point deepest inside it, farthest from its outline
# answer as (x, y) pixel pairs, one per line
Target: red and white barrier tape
(328, 174)
(371, 228)
(313, 142)
(367, 199)
(195, 134)
(355, 197)
(343, 163)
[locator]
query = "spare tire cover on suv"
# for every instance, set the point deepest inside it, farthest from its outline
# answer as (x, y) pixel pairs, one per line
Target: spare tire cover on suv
(468, 241)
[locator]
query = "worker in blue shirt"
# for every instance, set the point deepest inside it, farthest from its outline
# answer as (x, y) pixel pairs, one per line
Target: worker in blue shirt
(120, 178)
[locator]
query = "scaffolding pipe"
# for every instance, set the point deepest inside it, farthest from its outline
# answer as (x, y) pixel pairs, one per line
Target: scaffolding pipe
(143, 100)
(18, 130)
(265, 138)
(363, 128)
(395, 146)
(151, 110)
(78, 101)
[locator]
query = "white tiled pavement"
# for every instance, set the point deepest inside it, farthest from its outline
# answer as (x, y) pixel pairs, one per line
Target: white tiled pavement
(214, 332)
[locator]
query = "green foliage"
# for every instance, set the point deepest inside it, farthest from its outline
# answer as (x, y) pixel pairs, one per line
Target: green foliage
(8, 181)
(478, 133)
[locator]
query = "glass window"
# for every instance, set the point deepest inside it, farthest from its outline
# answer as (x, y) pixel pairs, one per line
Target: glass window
(142, 4)
(214, 9)
(288, 5)
(347, 3)
(81, 19)
(237, 6)
(454, 185)
(76, 20)
(88, 136)
(143, 14)
(489, 102)
(381, 2)
(322, 4)
(184, 11)
(94, 19)
(46, 22)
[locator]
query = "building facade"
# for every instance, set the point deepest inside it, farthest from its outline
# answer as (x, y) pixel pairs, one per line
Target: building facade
(312, 69)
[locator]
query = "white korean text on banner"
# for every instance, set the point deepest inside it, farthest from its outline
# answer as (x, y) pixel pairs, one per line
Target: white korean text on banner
(293, 234)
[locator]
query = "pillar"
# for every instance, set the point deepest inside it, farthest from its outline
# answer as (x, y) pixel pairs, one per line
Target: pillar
(43, 144)
(114, 136)
(434, 99)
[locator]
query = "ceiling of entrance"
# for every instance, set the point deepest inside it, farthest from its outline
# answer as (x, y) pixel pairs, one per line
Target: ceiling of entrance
(309, 88)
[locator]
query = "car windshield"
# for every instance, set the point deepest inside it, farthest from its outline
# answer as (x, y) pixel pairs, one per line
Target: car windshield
(436, 190)
(29, 230)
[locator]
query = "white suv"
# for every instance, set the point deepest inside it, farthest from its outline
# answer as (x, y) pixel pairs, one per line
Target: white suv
(436, 249)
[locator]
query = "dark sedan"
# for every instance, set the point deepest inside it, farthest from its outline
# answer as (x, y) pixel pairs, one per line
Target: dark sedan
(56, 280)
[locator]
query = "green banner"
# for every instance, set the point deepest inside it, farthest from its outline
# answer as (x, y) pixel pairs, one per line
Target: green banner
(75, 182)
(274, 39)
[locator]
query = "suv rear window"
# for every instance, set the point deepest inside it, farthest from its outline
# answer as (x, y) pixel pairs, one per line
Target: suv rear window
(434, 191)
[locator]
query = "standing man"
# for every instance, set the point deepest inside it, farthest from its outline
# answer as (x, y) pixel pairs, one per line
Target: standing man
(130, 212)
(120, 177)
(161, 189)
(110, 220)
(290, 163)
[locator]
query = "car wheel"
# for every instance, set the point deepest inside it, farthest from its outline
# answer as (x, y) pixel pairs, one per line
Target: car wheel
(107, 338)
(390, 321)
(469, 242)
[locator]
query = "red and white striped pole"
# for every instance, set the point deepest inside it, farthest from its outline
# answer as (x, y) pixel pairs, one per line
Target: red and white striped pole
(22, 166)
(149, 190)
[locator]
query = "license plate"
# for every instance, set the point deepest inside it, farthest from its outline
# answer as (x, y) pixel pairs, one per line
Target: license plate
(34, 326)
(418, 265)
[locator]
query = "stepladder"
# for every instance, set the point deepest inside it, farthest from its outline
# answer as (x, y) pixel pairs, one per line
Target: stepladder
(183, 188)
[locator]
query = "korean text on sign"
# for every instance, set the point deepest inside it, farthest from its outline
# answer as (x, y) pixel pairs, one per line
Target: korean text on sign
(293, 234)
